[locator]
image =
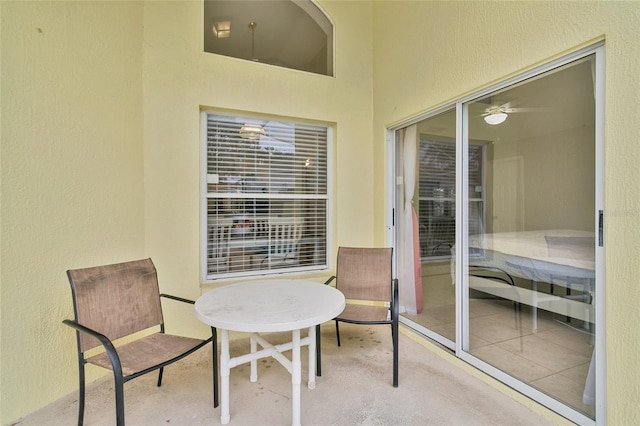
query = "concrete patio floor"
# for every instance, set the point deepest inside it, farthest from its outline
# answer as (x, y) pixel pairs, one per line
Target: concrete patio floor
(354, 389)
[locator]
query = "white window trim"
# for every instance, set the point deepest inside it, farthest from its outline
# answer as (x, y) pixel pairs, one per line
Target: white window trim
(205, 277)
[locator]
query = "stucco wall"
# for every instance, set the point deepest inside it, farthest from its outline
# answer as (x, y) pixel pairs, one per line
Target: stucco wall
(438, 51)
(99, 97)
(100, 158)
(72, 191)
(179, 80)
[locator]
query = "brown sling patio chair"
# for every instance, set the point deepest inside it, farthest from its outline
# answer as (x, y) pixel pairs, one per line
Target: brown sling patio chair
(115, 301)
(364, 276)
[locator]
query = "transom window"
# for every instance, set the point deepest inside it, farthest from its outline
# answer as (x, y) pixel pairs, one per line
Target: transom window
(265, 199)
(290, 34)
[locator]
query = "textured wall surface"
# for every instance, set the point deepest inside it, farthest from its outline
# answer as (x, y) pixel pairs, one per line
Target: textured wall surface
(439, 51)
(72, 181)
(101, 158)
(100, 145)
(179, 80)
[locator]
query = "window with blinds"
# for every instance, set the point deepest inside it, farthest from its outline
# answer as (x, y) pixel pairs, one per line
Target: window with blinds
(265, 196)
(437, 208)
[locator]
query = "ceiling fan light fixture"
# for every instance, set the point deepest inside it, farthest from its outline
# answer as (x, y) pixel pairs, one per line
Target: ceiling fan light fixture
(221, 29)
(251, 131)
(495, 118)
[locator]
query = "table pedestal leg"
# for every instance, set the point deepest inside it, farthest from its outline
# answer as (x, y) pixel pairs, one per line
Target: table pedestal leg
(224, 376)
(312, 358)
(254, 363)
(296, 377)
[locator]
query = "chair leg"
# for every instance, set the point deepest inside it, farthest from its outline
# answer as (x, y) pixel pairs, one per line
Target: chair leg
(81, 392)
(214, 350)
(318, 352)
(394, 338)
(119, 388)
(338, 333)
(160, 376)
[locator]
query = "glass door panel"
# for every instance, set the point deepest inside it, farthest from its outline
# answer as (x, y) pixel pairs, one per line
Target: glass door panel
(531, 265)
(435, 207)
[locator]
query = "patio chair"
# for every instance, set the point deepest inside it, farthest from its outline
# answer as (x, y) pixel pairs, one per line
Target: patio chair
(115, 301)
(364, 276)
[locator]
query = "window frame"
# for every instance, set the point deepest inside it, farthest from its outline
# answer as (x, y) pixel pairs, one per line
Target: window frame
(323, 247)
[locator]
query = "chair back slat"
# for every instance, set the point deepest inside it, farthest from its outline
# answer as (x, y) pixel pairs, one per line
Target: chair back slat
(285, 235)
(365, 273)
(116, 300)
(218, 244)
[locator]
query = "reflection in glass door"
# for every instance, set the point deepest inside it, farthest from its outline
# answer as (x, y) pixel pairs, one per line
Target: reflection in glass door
(531, 271)
(509, 280)
(434, 200)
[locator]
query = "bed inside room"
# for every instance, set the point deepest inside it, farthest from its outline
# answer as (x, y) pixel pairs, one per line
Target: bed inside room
(552, 270)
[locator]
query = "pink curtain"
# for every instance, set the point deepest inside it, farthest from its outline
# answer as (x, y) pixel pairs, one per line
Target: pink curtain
(410, 273)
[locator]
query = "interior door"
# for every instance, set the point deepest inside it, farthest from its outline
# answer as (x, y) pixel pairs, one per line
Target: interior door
(508, 194)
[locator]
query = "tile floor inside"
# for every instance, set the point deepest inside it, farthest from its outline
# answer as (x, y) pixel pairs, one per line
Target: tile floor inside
(553, 359)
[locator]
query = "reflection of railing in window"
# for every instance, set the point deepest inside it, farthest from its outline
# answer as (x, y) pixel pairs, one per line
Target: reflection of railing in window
(437, 228)
(218, 236)
(256, 243)
(283, 243)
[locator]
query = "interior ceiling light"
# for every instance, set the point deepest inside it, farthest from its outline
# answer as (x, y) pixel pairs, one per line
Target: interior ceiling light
(222, 29)
(251, 131)
(495, 116)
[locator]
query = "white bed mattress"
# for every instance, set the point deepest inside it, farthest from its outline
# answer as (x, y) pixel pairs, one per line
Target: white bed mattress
(558, 246)
(558, 256)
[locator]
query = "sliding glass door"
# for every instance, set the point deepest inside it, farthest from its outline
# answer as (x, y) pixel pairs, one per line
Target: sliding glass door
(434, 201)
(509, 198)
(531, 272)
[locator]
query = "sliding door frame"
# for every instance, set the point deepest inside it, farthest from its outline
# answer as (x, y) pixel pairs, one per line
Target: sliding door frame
(461, 345)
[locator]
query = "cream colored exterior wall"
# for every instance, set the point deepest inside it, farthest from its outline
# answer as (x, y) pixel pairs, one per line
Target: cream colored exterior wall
(100, 145)
(427, 53)
(72, 178)
(101, 158)
(179, 80)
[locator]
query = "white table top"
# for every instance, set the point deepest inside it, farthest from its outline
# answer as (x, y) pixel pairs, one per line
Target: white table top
(552, 272)
(269, 305)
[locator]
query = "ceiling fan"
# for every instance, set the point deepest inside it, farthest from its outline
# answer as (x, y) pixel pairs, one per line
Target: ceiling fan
(266, 60)
(496, 114)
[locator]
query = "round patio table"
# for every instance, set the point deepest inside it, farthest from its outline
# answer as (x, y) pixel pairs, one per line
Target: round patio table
(269, 306)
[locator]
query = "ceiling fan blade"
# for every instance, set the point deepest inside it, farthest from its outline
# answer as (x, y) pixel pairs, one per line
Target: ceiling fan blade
(532, 109)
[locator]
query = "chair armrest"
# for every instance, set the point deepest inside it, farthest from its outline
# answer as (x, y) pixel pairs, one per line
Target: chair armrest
(104, 340)
(189, 301)
(331, 278)
(179, 299)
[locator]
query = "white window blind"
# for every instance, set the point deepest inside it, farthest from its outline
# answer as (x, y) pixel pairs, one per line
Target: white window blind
(437, 182)
(266, 196)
